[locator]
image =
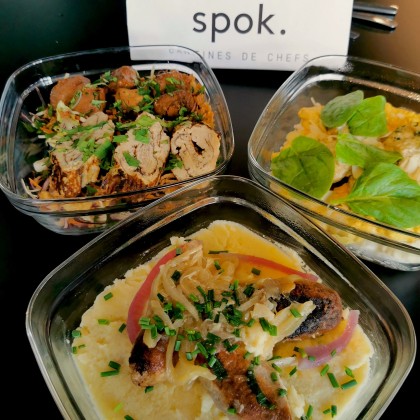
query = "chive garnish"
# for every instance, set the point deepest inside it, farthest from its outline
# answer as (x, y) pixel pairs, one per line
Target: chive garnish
(231, 410)
(103, 321)
(309, 412)
(293, 371)
(282, 392)
(333, 410)
(325, 370)
(176, 275)
(122, 327)
(108, 296)
(255, 271)
(114, 365)
(148, 389)
(178, 251)
(118, 407)
(217, 265)
(76, 333)
(127, 417)
(110, 373)
(333, 380)
(217, 252)
(349, 384)
(273, 376)
(295, 312)
(74, 349)
(277, 368)
(349, 372)
(333, 352)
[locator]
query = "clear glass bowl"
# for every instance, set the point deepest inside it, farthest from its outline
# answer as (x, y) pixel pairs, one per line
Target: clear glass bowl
(322, 79)
(57, 305)
(29, 87)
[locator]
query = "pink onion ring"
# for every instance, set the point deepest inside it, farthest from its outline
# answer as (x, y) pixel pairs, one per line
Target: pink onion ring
(322, 353)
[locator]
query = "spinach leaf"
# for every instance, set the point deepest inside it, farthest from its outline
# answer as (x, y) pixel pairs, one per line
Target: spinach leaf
(369, 118)
(354, 152)
(340, 109)
(306, 165)
(386, 193)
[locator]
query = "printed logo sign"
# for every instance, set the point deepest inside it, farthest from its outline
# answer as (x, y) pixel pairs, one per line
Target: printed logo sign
(247, 34)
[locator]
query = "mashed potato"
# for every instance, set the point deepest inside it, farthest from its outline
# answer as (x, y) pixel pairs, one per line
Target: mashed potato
(103, 346)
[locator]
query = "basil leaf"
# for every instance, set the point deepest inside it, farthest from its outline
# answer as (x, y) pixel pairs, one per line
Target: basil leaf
(369, 118)
(306, 165)
(340, 109)
(386, 193)
(351, 151)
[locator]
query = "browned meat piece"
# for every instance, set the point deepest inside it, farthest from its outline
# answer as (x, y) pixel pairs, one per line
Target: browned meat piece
(70, 173)
(127, 77)
(170, 104)
(130, 98)
(148, 366)
(77, 93)
(172, 80)
(65, 89)
(90, 100)
(138, 163)
(242, 384)
(197, 146)
(324, 317)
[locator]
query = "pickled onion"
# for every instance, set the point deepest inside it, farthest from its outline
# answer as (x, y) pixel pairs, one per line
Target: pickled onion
(322, 353)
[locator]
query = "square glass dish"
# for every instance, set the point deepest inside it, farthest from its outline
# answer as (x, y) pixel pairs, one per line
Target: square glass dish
(74, 194)
(315, 84)
(57, 306)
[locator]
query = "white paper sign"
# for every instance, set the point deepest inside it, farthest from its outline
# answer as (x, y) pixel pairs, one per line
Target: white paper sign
(244, 34)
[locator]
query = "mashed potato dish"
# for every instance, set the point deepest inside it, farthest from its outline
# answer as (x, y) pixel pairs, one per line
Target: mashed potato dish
(222, 324)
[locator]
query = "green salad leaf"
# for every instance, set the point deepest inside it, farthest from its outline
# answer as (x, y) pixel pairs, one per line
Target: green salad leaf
(306, 165)
(364, 117)
(385, 192)
(351, 151)
(369, 118)
(340, 109)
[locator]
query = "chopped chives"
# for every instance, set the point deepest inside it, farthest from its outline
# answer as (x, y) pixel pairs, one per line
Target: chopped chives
(212, 361)
(231, 410)
(333, 352)
(217, 252)
(277, 368)
(122, 327)
(177, 345)
(325, 370)
(148, 389)
(301, 351)
(249, 290)
(202, 349)
(108, 296)
(114, 365)
(311, 358)
(110, 373)
(282, 392)
(118, 407)
(349, 384)
(176, 275)
(333, 410)
(309, 412)
(274, 377)
(76, 333)
(326, 411)
(188, 355)
(194, 298)
(293, 371)
(247, 354)
(349, 372)
(103, 321)
(255, 271)
(82, 346)
(295, 312)
(178, 251)
(333, 380)
(127, 417)
(217, 265)
(250, 323)
(74, 349)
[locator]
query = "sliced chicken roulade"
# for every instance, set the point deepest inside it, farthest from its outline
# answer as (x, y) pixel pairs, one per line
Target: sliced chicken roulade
(198, 147)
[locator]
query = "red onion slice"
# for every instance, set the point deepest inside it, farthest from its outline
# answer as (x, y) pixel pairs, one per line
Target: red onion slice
(322, 353)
